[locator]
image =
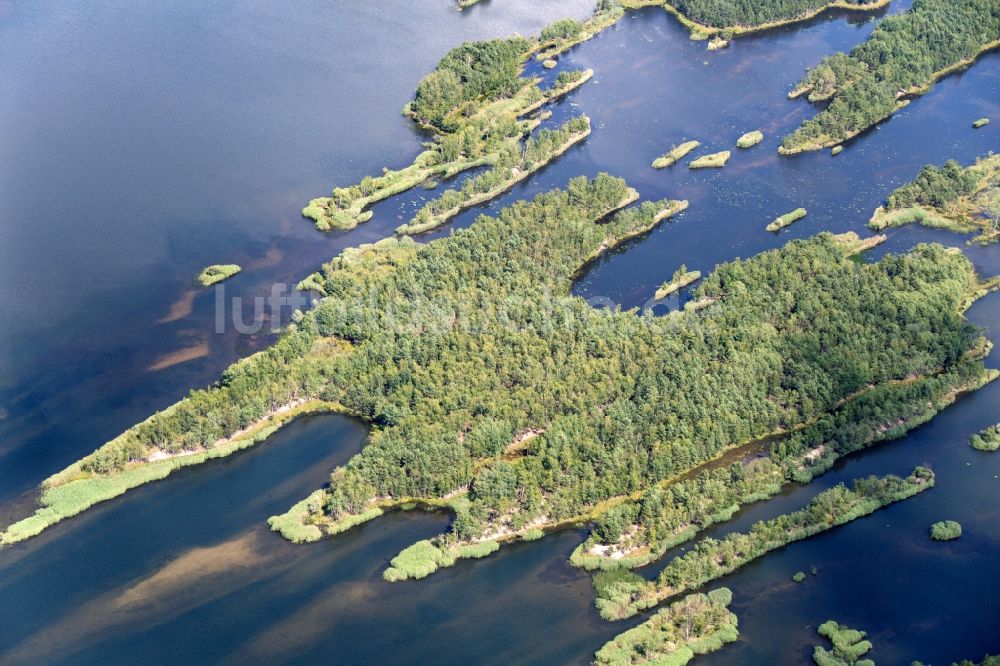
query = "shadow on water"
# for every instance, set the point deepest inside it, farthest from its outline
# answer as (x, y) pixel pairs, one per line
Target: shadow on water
(184, 570)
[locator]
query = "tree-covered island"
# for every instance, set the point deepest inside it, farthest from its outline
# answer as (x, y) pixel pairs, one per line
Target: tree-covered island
(494, 392)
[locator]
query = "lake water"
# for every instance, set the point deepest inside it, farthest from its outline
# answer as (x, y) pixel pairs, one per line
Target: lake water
(142, 141)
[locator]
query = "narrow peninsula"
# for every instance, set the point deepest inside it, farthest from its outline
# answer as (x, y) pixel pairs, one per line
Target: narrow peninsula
(697, 624)
(951, 197)
(682, 277)
(902, 58)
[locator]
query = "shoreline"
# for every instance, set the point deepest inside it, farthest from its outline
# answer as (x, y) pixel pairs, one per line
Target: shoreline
(700, 31)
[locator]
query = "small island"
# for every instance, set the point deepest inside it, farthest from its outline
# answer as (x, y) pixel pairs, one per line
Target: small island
(987, 440)
(787, 219)
(682, 277)
(697, 624)
(982, 122)
(715, 160)
(217, 273)
(836, 150)
(946, 530)
(675, 154)
(849, 645)
(799, 577)
(750, 139)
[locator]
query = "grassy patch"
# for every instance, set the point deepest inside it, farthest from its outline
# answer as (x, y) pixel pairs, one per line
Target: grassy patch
(715, 160)
(217, 273)
(787, 219)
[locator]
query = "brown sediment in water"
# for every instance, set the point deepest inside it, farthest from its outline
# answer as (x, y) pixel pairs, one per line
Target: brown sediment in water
(177, 587)
(180, 308)
(184, 355)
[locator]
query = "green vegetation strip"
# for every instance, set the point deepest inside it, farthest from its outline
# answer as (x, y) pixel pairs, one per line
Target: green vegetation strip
(904, 56)
(622, 594)
(675, 154)
(75, 489)
(682, 277)
(697, 624)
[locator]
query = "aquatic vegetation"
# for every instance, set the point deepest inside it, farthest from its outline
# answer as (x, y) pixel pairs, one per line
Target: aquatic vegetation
(217, 273)
(987, 440)
(787, 219)
(982, 122)
(849, 645)
(903, 57)
(714, 160)
(750, 139)
(711, 559)
(682, 277)
(799, 576)
(946, 530)
(697, 624)
(675, 154)
(952, 197)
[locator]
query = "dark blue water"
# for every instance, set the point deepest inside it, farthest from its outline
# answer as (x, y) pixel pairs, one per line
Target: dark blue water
(142, 142)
